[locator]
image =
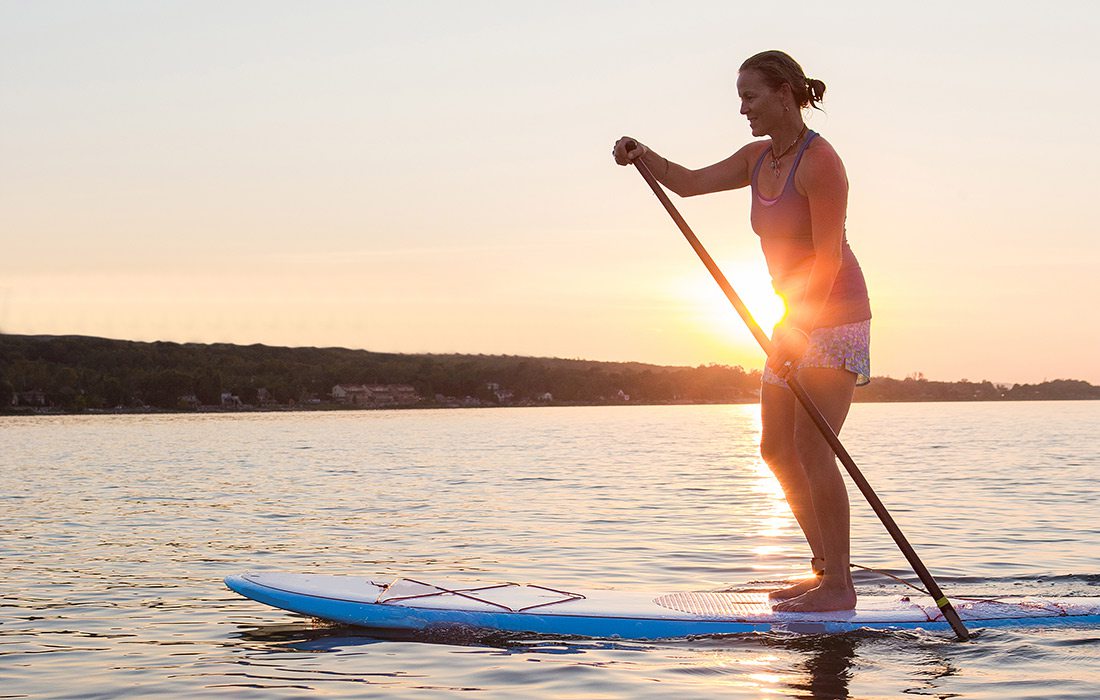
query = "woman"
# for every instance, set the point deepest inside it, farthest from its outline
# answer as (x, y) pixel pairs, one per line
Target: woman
(799, 203)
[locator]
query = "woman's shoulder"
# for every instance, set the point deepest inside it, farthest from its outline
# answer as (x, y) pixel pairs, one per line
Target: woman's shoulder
(820, 162)
(755, 149)
(820, 154)
(753, 153)
(820, 147)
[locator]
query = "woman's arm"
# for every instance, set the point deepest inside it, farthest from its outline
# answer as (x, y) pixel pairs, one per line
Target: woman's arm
(729, 174)
(822, 179)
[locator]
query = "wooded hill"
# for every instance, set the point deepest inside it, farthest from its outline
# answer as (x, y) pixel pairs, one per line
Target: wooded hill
(74, 373)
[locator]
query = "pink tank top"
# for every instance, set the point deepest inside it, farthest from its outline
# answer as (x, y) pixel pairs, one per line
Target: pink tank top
(786, 237)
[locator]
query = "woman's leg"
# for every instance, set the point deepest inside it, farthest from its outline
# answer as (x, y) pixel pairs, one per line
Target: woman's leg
(777, 448)
(831, 391)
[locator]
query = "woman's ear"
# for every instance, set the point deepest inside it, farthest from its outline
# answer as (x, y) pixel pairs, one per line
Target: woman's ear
(786, 94)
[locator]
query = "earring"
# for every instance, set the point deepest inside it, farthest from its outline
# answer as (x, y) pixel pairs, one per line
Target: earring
(786, 108)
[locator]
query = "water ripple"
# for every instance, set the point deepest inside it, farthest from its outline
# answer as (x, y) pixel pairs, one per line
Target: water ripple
(118, 530)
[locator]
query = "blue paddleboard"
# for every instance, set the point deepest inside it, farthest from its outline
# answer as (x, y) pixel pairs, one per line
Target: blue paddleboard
(421, 604)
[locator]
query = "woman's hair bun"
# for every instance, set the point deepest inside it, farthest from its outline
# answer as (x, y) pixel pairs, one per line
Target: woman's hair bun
(816, 90)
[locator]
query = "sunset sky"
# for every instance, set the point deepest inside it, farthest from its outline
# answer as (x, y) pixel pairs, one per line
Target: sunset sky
(436, 176)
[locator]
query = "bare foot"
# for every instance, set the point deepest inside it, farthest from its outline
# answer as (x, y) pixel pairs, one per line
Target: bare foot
(817, 565)
(820, 599)
(795, 590)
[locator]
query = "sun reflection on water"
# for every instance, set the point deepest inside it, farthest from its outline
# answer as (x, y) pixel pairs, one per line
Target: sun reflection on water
(775, 525)
(751, 671)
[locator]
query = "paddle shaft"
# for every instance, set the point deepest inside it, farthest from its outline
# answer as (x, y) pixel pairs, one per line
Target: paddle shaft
(811, 409)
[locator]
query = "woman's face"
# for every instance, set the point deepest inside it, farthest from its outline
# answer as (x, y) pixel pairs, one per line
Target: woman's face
(762, 105)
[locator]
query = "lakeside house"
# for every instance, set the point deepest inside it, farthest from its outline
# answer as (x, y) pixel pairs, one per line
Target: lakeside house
(503, 396)
(34, 397)
(264, 397)
(375, 394)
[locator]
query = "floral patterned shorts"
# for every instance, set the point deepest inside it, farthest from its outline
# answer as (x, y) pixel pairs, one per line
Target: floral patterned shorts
(845, 347)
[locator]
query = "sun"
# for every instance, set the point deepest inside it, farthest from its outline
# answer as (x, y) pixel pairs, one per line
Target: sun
(712, 312)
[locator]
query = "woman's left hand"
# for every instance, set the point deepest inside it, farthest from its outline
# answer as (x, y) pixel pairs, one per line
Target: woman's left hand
(788, 345)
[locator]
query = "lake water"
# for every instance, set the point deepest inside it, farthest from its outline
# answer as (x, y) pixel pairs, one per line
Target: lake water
(117, 531)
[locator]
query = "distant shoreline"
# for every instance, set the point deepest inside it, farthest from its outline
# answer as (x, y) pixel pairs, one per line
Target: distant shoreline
(336, 408)
(66, 375)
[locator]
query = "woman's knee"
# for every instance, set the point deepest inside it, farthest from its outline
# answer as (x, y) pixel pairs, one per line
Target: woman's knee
(777, 453)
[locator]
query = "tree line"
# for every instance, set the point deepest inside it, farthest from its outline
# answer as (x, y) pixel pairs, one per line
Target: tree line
(75, 373)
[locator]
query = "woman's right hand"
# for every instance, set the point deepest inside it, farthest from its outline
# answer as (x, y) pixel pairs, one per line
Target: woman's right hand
(627, 150)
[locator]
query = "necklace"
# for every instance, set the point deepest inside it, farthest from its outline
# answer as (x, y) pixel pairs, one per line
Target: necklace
(777, 158)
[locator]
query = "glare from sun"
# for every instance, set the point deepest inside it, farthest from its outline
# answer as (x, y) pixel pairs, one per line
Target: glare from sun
(710, 308)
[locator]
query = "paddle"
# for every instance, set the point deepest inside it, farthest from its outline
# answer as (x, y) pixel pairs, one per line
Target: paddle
(815, 414)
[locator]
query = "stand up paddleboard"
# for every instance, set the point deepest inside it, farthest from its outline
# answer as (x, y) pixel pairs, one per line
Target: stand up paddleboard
(415, 604)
